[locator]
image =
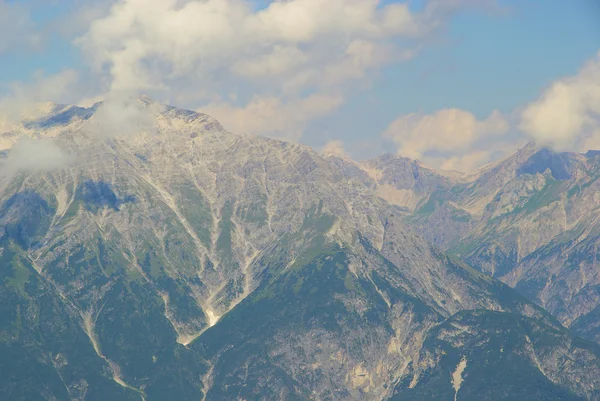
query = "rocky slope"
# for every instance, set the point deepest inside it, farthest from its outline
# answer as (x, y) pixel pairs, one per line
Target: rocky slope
(530, 220)
(181, 261)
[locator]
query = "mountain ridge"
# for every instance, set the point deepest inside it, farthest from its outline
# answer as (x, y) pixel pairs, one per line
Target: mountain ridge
(530, 219)
(201, 264)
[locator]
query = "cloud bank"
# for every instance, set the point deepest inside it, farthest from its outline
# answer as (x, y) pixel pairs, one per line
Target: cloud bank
(149, 44)
(247, 64)
(274, 69)
(566, 117)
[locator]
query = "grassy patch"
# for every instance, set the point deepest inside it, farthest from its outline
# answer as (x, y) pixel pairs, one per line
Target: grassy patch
(20, 278)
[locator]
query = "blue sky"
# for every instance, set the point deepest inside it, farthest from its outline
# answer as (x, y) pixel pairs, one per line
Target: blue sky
(479, 60)
(483, 62)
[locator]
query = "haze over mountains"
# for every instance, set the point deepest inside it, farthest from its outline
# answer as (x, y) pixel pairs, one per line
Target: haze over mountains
(171, 259)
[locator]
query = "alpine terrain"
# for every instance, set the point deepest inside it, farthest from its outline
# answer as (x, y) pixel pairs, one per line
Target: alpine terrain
(174, 260)
(531, 220)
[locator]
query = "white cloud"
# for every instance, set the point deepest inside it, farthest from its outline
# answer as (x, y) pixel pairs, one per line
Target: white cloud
(120, 116)
(195, 51)
(148, 44)
(36, 155)
(28, 100)
(272, 117)
(56, 87)
(336, 148)
(467, 162)
(449, 131)
(361, 57)
(277, 63)
(5, 126)
(567, 115)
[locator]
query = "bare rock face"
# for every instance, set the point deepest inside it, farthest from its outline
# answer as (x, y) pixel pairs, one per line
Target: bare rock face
(540, 234)
(181, 261)
(530, 220)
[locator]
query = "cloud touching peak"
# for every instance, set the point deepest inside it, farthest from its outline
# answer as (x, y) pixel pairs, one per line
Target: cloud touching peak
(120, 116)
(448, 138)
(291, 52)
(309, 71)
(35, 155)
(335, 148)
(23, 99)
(271, 116)
(567, 115)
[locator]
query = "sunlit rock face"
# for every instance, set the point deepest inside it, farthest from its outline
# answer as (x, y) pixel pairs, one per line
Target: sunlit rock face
(170, 259)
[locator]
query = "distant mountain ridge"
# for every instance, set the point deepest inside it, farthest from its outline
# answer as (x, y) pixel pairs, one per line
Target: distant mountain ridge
(529, 220)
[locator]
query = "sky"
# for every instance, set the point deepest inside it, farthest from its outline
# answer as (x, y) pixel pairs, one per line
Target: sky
(453, 83)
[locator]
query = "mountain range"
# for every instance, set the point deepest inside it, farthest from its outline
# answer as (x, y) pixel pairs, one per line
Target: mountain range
(179, 261)
(530, 220)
